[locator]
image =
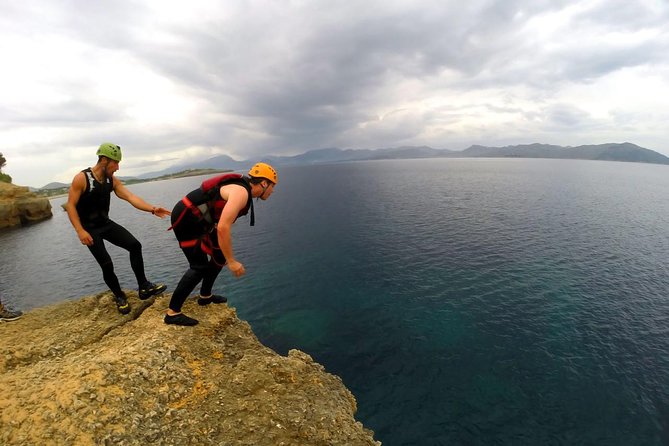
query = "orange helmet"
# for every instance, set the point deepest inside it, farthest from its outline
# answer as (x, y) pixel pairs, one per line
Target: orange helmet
(263, 170)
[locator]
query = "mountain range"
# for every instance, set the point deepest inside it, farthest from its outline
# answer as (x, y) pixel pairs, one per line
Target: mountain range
(626, 152)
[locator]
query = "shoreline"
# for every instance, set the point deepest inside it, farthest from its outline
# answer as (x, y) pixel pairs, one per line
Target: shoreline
(63, 191)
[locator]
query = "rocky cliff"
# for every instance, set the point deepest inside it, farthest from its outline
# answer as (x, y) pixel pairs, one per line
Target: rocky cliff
(79, 373)
(19, 206)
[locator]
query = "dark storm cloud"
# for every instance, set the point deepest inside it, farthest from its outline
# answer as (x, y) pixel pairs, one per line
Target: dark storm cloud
(274, 77)
(70, 112)
(304, 75)
(565, 116)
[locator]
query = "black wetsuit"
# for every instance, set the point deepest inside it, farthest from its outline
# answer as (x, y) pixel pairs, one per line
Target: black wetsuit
(198, 238)
(93, 210)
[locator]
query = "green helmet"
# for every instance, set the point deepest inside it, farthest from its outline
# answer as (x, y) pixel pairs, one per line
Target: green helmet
(111, 151)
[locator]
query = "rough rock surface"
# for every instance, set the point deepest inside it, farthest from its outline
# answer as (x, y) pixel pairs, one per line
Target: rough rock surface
(80, 373)
(19, 206)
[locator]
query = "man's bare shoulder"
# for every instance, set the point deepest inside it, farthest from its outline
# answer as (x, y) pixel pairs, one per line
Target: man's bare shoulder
(234, 192)
(79, 179)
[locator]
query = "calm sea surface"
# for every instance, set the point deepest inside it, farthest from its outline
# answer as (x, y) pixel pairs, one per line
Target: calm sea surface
(462, 301)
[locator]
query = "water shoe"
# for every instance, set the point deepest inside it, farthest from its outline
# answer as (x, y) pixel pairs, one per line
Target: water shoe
(9, 315)
(213, 299)
(122, 304)
(180, 319)
(150, 289)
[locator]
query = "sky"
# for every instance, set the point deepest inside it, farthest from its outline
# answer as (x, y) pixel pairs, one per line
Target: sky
(169, 80)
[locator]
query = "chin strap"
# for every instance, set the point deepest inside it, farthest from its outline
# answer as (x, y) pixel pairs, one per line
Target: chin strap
(253, 216)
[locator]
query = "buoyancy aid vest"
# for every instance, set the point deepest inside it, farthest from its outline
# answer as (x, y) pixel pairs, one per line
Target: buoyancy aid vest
(211, 188)
(206, 204)
(93, 204)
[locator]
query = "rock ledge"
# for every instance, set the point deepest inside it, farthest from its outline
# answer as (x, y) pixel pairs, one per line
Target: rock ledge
(19, 206)
(79, 373)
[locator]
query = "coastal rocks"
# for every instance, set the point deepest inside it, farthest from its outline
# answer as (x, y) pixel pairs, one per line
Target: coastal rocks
(19, 206)
(80, 373)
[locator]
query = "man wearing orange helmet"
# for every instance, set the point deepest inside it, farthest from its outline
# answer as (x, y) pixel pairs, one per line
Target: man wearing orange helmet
(202, 223)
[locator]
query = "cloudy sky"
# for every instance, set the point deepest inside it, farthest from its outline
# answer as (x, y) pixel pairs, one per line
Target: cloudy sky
(171, 79)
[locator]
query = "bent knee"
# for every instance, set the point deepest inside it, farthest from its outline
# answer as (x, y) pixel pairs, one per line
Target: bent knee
(135, 246)
(198, 268)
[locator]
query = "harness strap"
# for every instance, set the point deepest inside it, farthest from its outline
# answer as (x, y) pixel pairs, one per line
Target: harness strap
(205, 245)
(189, 243)
(189, 206)
(202, 212)
(204, 242)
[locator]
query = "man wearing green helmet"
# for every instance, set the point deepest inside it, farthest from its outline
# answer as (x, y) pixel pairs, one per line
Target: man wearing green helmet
(88, 209)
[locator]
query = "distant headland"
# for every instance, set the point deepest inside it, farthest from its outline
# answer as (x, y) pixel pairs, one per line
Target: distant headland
(20, 207)
(623, 152)
(54, 189)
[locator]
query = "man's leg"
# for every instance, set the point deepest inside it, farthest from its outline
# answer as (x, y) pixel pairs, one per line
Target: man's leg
(101, 255)
(121, 237)
(197, 261)
(214, 267)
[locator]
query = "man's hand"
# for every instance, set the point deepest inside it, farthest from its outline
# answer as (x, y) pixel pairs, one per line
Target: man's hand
(85, 238)
(160, 212)
(236, 268)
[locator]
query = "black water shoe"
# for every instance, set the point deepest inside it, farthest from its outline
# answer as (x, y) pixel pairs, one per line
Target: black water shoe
(9, 315)
(213, 299)
(150, 289)
(122, 304)
(180, 319)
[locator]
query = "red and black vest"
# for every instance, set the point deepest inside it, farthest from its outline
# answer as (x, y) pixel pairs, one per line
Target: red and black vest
(206, 202)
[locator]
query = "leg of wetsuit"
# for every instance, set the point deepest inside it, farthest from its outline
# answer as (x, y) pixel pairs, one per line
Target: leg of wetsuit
(121, 237)
(198, 262)
(209, 278)
(214, 267)
(104, 260)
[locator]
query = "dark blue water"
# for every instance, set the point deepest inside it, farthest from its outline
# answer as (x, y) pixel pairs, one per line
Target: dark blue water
(469, 301)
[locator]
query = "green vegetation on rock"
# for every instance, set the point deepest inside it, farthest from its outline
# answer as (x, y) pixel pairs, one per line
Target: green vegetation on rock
(4, 178)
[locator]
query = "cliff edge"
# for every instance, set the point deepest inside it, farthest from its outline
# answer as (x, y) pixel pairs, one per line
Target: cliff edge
(19, 206)
(80, 373)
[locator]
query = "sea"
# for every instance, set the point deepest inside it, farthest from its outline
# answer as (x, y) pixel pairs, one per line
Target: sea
(462, 301)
